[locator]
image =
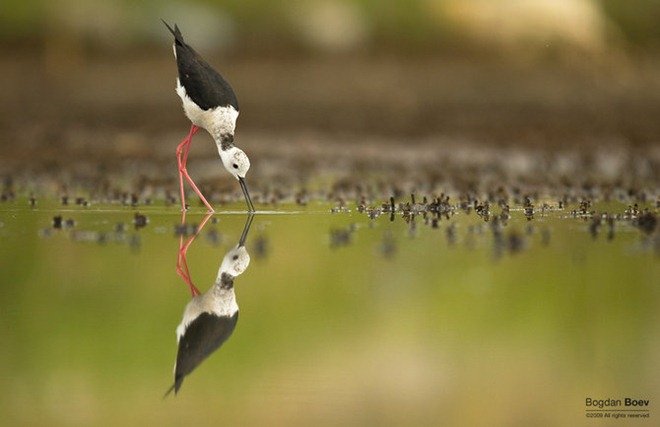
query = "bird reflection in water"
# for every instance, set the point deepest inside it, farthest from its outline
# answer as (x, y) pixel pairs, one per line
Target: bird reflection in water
(210, 317)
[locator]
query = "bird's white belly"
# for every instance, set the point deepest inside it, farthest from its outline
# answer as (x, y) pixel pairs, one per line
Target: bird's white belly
(217, 121)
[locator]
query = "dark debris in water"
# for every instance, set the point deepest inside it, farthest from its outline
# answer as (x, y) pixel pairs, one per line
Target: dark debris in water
(388, 247)
(261, 247)
(647, 222)
(429, 188)
(213, 236)
(438, 212)
(435, 177)
(117, 233)
(140, 220)
(341, 236)
(60, 223)
(185, 229)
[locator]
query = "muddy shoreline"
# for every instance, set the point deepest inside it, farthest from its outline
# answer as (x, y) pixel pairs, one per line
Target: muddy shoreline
(104, 126)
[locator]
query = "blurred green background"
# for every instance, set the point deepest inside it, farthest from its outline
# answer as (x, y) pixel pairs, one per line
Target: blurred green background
(344, 25)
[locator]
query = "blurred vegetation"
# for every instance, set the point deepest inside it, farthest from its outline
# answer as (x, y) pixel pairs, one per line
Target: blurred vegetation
(342, 25)
(638, 20)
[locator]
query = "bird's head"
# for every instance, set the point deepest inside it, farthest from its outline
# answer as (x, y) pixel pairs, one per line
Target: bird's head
(235, 161)
(235, 262)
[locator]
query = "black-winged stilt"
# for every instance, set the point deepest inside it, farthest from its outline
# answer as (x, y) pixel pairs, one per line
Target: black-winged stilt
(209, 318)
(210, 103)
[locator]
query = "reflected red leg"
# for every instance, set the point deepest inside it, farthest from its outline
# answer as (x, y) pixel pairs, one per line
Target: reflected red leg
(182, 262)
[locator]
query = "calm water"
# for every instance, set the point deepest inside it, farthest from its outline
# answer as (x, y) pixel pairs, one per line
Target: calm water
(343, 319)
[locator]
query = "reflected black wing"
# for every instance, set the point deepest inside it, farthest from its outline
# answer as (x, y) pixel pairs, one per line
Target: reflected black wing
(203, 336)
(203, 84)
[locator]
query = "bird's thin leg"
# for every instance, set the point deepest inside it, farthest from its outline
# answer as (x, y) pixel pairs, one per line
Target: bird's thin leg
(181, 159)
(199, 193)
(182, 262)
(183, 171)
(182, 270)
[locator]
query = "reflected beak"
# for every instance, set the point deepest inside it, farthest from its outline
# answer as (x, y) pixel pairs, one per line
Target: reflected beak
(246, 194)
(246, 230)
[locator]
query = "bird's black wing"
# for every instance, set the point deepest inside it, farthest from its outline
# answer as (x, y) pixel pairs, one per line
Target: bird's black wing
(203, 84)
(203, 336)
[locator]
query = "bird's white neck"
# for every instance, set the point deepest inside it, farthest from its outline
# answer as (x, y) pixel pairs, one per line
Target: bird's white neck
(221, 123)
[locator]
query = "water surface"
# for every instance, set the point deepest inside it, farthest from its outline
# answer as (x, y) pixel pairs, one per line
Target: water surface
(343, 318)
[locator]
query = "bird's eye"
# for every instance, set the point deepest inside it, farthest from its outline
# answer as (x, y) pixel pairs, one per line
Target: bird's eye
(235, 166)
(235, 257)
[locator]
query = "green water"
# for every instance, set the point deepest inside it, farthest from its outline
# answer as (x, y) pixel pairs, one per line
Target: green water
(343, 319)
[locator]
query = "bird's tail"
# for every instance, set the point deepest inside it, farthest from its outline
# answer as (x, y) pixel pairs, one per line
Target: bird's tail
(178, 37)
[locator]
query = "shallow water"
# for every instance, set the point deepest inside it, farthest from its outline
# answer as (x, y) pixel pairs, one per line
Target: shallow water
(343, 318)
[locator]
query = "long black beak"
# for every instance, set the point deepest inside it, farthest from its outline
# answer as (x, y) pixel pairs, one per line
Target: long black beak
(246, 194)
(246, 229)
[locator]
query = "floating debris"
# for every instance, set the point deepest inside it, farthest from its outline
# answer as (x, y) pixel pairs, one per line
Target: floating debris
(261, 247)
(361, 205)
(213, 236)
(186, 229)
(388, 245)
(513, 243)
(450, 233)
(583, 209)
(170, 199)
(140, 220)
(302, 198)
(594, 226)
(341, 237)
(90, 236)
(516, 242)
(339, 209)
(610, 227)
(647, 222)
(135, 242)
(483, 210)
(181, 230)
(530, 229)
(57, 221)
(374, 213)
(545, 236)
(632, 212)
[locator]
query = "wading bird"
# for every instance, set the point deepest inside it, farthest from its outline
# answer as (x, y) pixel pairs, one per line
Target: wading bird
(209, 318)
(210, 103)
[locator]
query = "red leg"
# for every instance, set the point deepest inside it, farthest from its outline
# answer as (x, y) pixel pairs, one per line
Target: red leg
(199, 193)
(182, 262)
(182, 158)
